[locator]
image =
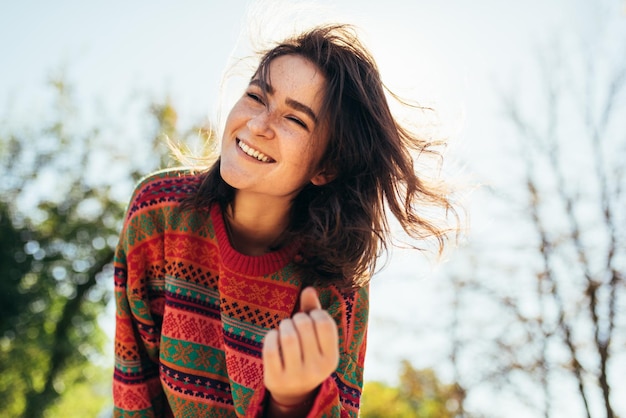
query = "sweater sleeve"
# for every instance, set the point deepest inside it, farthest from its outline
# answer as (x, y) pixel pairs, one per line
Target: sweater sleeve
(340, 394)
(136, 386)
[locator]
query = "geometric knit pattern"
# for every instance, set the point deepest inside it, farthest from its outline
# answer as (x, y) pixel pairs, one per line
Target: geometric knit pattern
(192, 313)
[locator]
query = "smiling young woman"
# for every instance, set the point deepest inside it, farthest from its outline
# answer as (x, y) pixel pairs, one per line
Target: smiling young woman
(271, 149)
(242, 290)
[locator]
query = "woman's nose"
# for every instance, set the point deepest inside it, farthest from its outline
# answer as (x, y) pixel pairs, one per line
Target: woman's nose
(260, 124)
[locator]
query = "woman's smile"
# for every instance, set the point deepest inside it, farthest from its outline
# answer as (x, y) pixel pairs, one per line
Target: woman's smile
(254, 153)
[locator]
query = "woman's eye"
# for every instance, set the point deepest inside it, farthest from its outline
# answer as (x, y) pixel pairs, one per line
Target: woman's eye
(298, 122)
(255, 97)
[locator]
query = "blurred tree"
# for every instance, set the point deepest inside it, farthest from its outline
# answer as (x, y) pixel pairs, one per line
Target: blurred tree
(554, 332)
(419, 394)
(62, 199)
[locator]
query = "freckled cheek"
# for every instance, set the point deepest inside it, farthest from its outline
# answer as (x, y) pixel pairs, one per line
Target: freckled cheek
(303, 160)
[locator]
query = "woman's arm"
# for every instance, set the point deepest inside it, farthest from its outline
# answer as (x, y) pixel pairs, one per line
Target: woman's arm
(136, 386)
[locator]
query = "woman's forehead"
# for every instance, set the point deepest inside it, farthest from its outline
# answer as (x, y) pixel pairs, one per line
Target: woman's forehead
(293, 72)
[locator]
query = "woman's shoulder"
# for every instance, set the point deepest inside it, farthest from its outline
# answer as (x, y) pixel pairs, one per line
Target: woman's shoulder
(169, 179)
(164, 187)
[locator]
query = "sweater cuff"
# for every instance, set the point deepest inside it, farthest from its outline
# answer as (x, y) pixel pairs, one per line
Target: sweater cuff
(325, 404)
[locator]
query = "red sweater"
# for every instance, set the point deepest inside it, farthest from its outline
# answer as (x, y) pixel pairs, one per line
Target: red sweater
(192, 313)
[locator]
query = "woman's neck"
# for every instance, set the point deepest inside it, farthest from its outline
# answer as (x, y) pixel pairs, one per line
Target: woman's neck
(256, 224)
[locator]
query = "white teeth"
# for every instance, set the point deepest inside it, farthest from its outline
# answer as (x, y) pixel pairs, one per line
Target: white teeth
(253, 153)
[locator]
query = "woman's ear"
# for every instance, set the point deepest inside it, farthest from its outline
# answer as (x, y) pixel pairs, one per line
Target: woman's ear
(323, 177)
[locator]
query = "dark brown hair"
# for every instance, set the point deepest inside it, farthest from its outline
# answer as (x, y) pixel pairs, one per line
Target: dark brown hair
(342, 226)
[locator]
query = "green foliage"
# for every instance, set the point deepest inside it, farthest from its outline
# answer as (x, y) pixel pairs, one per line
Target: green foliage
(15, 264)
(55, 253)
(381, 401)
(59, 222)
(88, 395)
(419, 394)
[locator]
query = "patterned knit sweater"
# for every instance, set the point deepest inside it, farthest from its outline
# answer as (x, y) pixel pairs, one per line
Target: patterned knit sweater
(192, 313)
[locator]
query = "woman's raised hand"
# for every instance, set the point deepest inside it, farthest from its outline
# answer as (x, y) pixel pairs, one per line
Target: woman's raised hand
(300, 354)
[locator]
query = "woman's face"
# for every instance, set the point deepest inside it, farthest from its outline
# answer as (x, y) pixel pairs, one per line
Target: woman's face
(272, 141)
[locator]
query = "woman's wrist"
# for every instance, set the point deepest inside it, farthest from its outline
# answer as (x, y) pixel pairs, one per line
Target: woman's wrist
(291, 402)
(290, 406)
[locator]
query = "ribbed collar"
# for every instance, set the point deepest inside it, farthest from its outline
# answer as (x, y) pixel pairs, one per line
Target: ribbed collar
(258, 265)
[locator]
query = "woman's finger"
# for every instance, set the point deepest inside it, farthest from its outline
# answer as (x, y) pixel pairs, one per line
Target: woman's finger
(272, 359)
(289, 345)
(326, 331)
(307, 335)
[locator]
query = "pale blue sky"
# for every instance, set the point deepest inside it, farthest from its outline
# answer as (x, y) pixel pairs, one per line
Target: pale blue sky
(112, 49)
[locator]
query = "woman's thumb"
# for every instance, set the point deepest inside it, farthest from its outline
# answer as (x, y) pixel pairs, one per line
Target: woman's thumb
(309, 300)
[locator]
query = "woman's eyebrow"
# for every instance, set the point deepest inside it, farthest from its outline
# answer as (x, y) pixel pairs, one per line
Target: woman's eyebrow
(290, 102)
(262, 85)
(302, 108)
